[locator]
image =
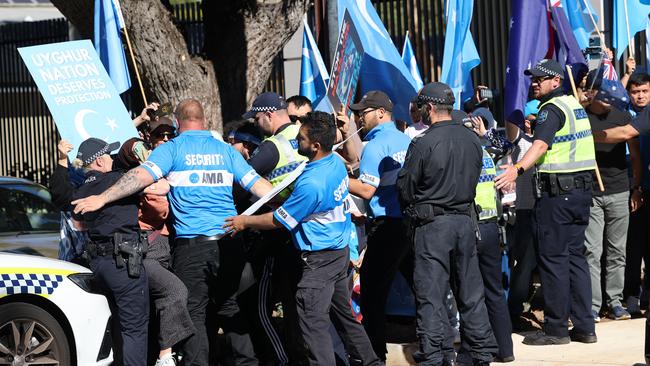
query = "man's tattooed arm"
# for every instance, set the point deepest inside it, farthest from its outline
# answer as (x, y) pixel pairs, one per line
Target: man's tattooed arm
(132, 182)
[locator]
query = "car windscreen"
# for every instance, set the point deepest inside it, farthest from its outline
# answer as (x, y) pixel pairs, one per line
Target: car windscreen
(24, 212)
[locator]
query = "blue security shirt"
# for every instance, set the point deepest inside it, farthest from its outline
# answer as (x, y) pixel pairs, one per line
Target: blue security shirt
(200, 170)
(316, 213)
(381, 161)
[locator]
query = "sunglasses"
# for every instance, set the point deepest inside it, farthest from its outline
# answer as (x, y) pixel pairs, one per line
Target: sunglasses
(540, 79)
(362, 114)
(162, 135)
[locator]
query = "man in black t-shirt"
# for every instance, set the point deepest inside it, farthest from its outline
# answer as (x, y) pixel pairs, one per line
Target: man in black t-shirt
(609, 215)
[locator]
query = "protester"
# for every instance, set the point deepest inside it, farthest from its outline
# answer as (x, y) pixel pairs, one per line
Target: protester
(320, 227)
(200, 170)
(298, 106)
(113, 232)
(417, 127)
(638, 240)
(387, 247)
(609, 214)
(437, 186)
(244, 137)
(561, 212)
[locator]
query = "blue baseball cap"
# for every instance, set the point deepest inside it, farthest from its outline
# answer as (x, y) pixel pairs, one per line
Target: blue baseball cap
(266, 102)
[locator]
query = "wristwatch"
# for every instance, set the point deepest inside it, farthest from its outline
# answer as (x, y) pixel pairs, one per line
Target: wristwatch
(520, 169)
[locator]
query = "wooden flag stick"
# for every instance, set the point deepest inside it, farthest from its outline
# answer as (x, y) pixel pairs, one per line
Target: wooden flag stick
(627, 26)
(593, 20)
(575, 95)
(135, 66)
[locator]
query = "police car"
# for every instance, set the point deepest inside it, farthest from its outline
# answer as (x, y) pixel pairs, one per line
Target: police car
(51, 313)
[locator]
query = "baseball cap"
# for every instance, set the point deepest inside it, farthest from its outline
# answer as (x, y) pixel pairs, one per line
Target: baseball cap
(546, 67)
(161, 121)
(436, 93)
(92, 148)
(373, 99)
(266, 102)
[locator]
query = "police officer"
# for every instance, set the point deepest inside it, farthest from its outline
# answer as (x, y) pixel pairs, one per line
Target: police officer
(200, 170)
(388, 248)
(275, 158)
(563, 151)
(317, 215)
(437, 187)
(108, 229)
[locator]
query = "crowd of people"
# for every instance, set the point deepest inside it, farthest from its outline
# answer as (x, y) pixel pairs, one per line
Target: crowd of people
(160, 223)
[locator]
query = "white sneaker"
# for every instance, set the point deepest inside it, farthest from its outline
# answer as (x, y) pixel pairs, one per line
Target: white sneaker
(633, 306)
(167, 360)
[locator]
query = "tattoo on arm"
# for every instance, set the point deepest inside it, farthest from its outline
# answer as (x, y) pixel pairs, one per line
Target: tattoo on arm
(132, 182)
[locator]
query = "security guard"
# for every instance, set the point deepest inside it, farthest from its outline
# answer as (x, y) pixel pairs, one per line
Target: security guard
(388, 249)
(563, 151)
(318, 217)
(437, 186)
(201, 171)
(111, 230)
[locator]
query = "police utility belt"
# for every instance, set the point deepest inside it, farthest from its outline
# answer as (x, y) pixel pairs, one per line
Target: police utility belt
(126, 252)
(561, 183)
(424, 213)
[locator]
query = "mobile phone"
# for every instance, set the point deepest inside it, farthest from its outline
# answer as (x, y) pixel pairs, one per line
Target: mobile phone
(164, 110)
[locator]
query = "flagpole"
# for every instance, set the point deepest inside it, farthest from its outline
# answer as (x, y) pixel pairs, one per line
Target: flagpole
(627, 26)
(593, 20)
(575, 95)
(135, 66)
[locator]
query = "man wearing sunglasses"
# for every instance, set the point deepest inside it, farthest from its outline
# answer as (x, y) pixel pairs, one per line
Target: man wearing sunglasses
(160, 131)
(388, 248)
(564, 156)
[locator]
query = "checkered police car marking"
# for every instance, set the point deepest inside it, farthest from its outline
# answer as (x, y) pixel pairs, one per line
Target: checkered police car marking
(30, 281)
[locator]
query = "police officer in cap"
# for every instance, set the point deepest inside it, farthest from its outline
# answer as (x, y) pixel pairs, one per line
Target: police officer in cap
(110, 228)
(563, 152)
(437, 186)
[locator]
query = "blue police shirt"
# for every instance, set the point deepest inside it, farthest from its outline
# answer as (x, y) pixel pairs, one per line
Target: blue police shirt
(381, 161)
(201, 171)
(316, 213)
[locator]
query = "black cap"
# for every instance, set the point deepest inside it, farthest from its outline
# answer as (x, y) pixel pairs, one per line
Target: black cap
(161, 121)
(546, 67)
(436, 93)
(93, 148)
(266, 102)
(373, 99)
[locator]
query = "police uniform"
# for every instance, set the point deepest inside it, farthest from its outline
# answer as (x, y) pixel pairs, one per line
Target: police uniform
(387, 249)
(561, 213)
(437, 188)
(130, 293)
(489, 259)
(201, 171)
(317, 216)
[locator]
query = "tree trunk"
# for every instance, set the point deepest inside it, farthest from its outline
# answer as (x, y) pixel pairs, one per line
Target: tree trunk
(241, 40)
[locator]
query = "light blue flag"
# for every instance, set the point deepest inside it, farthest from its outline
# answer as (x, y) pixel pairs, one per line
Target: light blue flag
(637, 11)
(382, 67)
(577, 11)
(313, 74)
(108, 23)
(408, 56)
(460, 54)
(81, 97)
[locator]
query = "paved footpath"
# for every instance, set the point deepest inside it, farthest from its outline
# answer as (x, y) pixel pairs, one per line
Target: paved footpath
(620, 343)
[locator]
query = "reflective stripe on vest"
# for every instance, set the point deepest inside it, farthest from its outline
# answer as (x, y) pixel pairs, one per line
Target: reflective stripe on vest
(485, 191)
(288, 157)
(573, 146)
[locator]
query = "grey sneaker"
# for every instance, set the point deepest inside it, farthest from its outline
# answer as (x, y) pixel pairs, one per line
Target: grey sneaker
(618, 313)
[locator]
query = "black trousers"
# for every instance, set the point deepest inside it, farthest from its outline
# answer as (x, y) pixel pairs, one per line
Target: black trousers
(638, 247)
(130, 297)
(444, 248)
(489, 261)
(560, 224)
(196, 264)
(388, 251)
(322, 296)
(522, 254)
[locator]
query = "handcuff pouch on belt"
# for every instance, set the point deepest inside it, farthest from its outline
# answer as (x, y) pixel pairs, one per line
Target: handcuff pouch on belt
(129, 252)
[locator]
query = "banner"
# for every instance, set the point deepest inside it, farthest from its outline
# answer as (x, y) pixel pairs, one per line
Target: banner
(78, 92)
(346, 65)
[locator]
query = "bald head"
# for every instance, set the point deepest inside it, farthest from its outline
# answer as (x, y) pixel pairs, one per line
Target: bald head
(190, 116)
